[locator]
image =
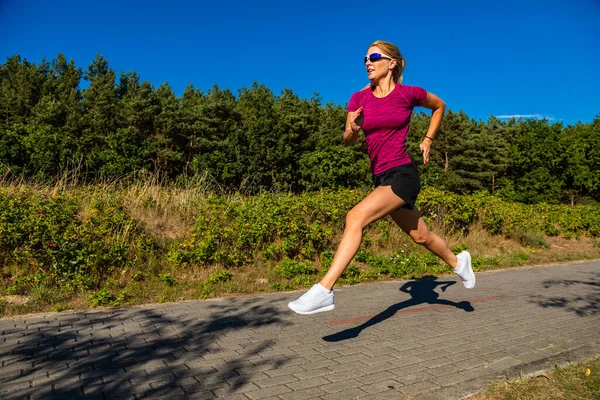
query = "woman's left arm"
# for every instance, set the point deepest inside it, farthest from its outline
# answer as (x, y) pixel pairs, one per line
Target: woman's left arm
(438, 107)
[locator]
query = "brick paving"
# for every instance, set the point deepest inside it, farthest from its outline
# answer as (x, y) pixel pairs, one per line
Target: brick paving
(418, 339)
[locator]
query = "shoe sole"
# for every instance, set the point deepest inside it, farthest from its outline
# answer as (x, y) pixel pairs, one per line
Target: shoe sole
(318, 310)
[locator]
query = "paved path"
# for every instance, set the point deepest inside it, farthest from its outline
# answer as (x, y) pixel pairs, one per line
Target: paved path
(421, 339)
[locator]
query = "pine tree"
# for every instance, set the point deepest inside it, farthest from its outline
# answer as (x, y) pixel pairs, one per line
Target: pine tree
(100, 114)
(168, 139)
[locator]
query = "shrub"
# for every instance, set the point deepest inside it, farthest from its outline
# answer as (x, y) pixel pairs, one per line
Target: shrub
(528, 238)
(167, 279)
(290, 268)
(102, 298)
(219, 276)
(404, 264)
(81, 241)
(235, 232)
(352, 271)
(50, 234)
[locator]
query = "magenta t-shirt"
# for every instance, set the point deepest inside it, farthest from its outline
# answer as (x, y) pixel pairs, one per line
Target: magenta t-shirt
(386, 122)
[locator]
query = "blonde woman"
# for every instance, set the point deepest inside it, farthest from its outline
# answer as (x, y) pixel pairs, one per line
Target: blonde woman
(383, 111)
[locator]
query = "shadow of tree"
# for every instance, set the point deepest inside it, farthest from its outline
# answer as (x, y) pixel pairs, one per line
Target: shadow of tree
(585, 303)
(149, 353)
(422, 291)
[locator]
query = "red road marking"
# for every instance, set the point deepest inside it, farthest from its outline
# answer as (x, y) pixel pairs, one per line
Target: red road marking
(414, 310)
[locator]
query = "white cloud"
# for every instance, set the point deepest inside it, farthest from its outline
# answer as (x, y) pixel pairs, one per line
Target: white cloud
(526, 116)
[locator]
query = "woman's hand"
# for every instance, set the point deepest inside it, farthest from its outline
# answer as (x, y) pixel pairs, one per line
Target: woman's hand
(356, 120)
(425, 146)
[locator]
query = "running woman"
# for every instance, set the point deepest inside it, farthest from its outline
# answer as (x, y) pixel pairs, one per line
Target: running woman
(383, 111)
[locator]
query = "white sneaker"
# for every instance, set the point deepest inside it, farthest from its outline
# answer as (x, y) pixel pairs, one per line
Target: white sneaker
(317, 299)
(464, 270)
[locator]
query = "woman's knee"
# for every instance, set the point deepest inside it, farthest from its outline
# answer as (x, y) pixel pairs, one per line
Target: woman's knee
(355, 218)
(421, 238)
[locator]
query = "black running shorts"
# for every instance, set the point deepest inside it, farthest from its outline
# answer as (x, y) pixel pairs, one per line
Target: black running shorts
(404, 180)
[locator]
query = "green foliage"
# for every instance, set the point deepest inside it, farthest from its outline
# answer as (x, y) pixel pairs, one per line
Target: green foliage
(52, 246)
(480, 262)
(326, 259)
(167, 279)
(404, 264)
(219, 276)
(51, 235)
(24, 284)
(235, 232)
(259, 141)
(289, 268)
(467, 155)
(454, 212)
(532, 239)
(280, 287)
(352, 271)
(382, 265)
(362, 255)
(60, 307)
(274, 226)
(518, 257)
(334, 168)
(102, 298)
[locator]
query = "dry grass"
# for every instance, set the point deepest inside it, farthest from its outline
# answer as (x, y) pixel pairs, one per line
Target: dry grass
(579, 381)
(16, 299)
(165, 216)
(165, 211)
(483, 244)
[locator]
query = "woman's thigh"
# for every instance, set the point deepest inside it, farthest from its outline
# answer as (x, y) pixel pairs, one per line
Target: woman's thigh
(411, 222)
(379, 203)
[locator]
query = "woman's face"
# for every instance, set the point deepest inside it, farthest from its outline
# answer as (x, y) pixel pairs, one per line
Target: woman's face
(377, 69)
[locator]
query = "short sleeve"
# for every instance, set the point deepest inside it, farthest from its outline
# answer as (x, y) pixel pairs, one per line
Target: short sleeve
(354, 102)
(416, 95)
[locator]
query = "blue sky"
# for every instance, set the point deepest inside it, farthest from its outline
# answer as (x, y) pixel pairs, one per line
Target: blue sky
(536, 58)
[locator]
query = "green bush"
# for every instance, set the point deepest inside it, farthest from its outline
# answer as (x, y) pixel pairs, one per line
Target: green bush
(352, 271)
(102, 298)
(381, 264)
(454, 212)
(24, 284)
(167, 279)
(219, 276)
(235, 232)
(289, 268)
(480, 262)
(50, 234)
(404, 264)
(76, 244)
(527, 238)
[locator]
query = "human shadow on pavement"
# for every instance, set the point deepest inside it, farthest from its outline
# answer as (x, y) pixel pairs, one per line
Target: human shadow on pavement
(586, 301)
(162, 351)
(422, 291)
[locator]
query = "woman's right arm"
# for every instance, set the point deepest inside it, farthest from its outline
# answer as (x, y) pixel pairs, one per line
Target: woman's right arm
(353, 124)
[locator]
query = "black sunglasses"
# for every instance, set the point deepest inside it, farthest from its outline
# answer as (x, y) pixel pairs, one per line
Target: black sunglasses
(376, 57)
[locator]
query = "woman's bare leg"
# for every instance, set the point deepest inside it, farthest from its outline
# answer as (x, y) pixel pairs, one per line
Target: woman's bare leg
(412, 223)
(379, 203)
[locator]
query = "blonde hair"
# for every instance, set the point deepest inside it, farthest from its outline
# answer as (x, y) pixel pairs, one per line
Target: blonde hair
(392, 50)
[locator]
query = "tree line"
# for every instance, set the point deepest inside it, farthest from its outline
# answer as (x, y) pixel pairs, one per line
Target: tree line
(257, 141)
